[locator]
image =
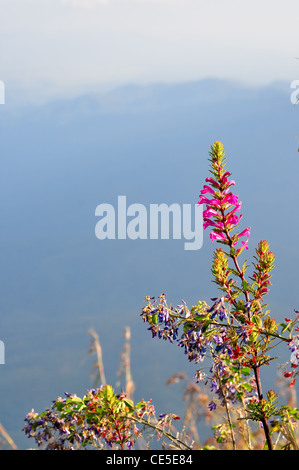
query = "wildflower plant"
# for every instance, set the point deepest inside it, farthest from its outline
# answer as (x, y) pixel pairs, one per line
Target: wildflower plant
(236, 331)
(102, 420)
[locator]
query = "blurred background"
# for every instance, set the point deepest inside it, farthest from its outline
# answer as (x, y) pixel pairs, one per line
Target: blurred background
(108, 98)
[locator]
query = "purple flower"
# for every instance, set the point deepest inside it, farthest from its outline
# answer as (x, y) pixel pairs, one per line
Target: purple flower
(214, 386)
(212, 406)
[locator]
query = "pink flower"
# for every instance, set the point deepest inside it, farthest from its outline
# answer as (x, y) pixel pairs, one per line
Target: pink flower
(245, 232)
(264, 290)
(209, 213)
(207, 189)
(213, 182)
(209, 202)
(234, 219)
(236, 208)
(225, 176)
(217, 236)
(209, 222)
(244, 245)
(203, 200)
(224, 180)
(230, 198)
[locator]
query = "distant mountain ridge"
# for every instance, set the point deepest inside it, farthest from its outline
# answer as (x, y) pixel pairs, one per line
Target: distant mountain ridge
(157, 97)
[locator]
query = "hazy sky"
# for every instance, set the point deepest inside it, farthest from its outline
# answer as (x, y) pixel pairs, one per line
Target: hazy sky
(65, 45)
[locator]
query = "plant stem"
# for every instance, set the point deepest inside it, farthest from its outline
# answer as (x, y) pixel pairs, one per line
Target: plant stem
(260, 396)
(255, 368)
(172, 438)
(228, 414)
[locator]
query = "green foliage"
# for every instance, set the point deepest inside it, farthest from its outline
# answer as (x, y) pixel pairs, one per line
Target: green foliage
(101, 419)
(236, 333)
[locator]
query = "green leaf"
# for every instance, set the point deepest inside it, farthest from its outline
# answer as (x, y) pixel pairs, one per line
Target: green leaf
(67, 411)
(129, 403)
(232, 251)
(74, 400)
(246, 285)
(285, 326)
(247, 386)
(246, 371)
(108, 392)
(253, 336)
(141, 404)
(244, 267)
(256, 319)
